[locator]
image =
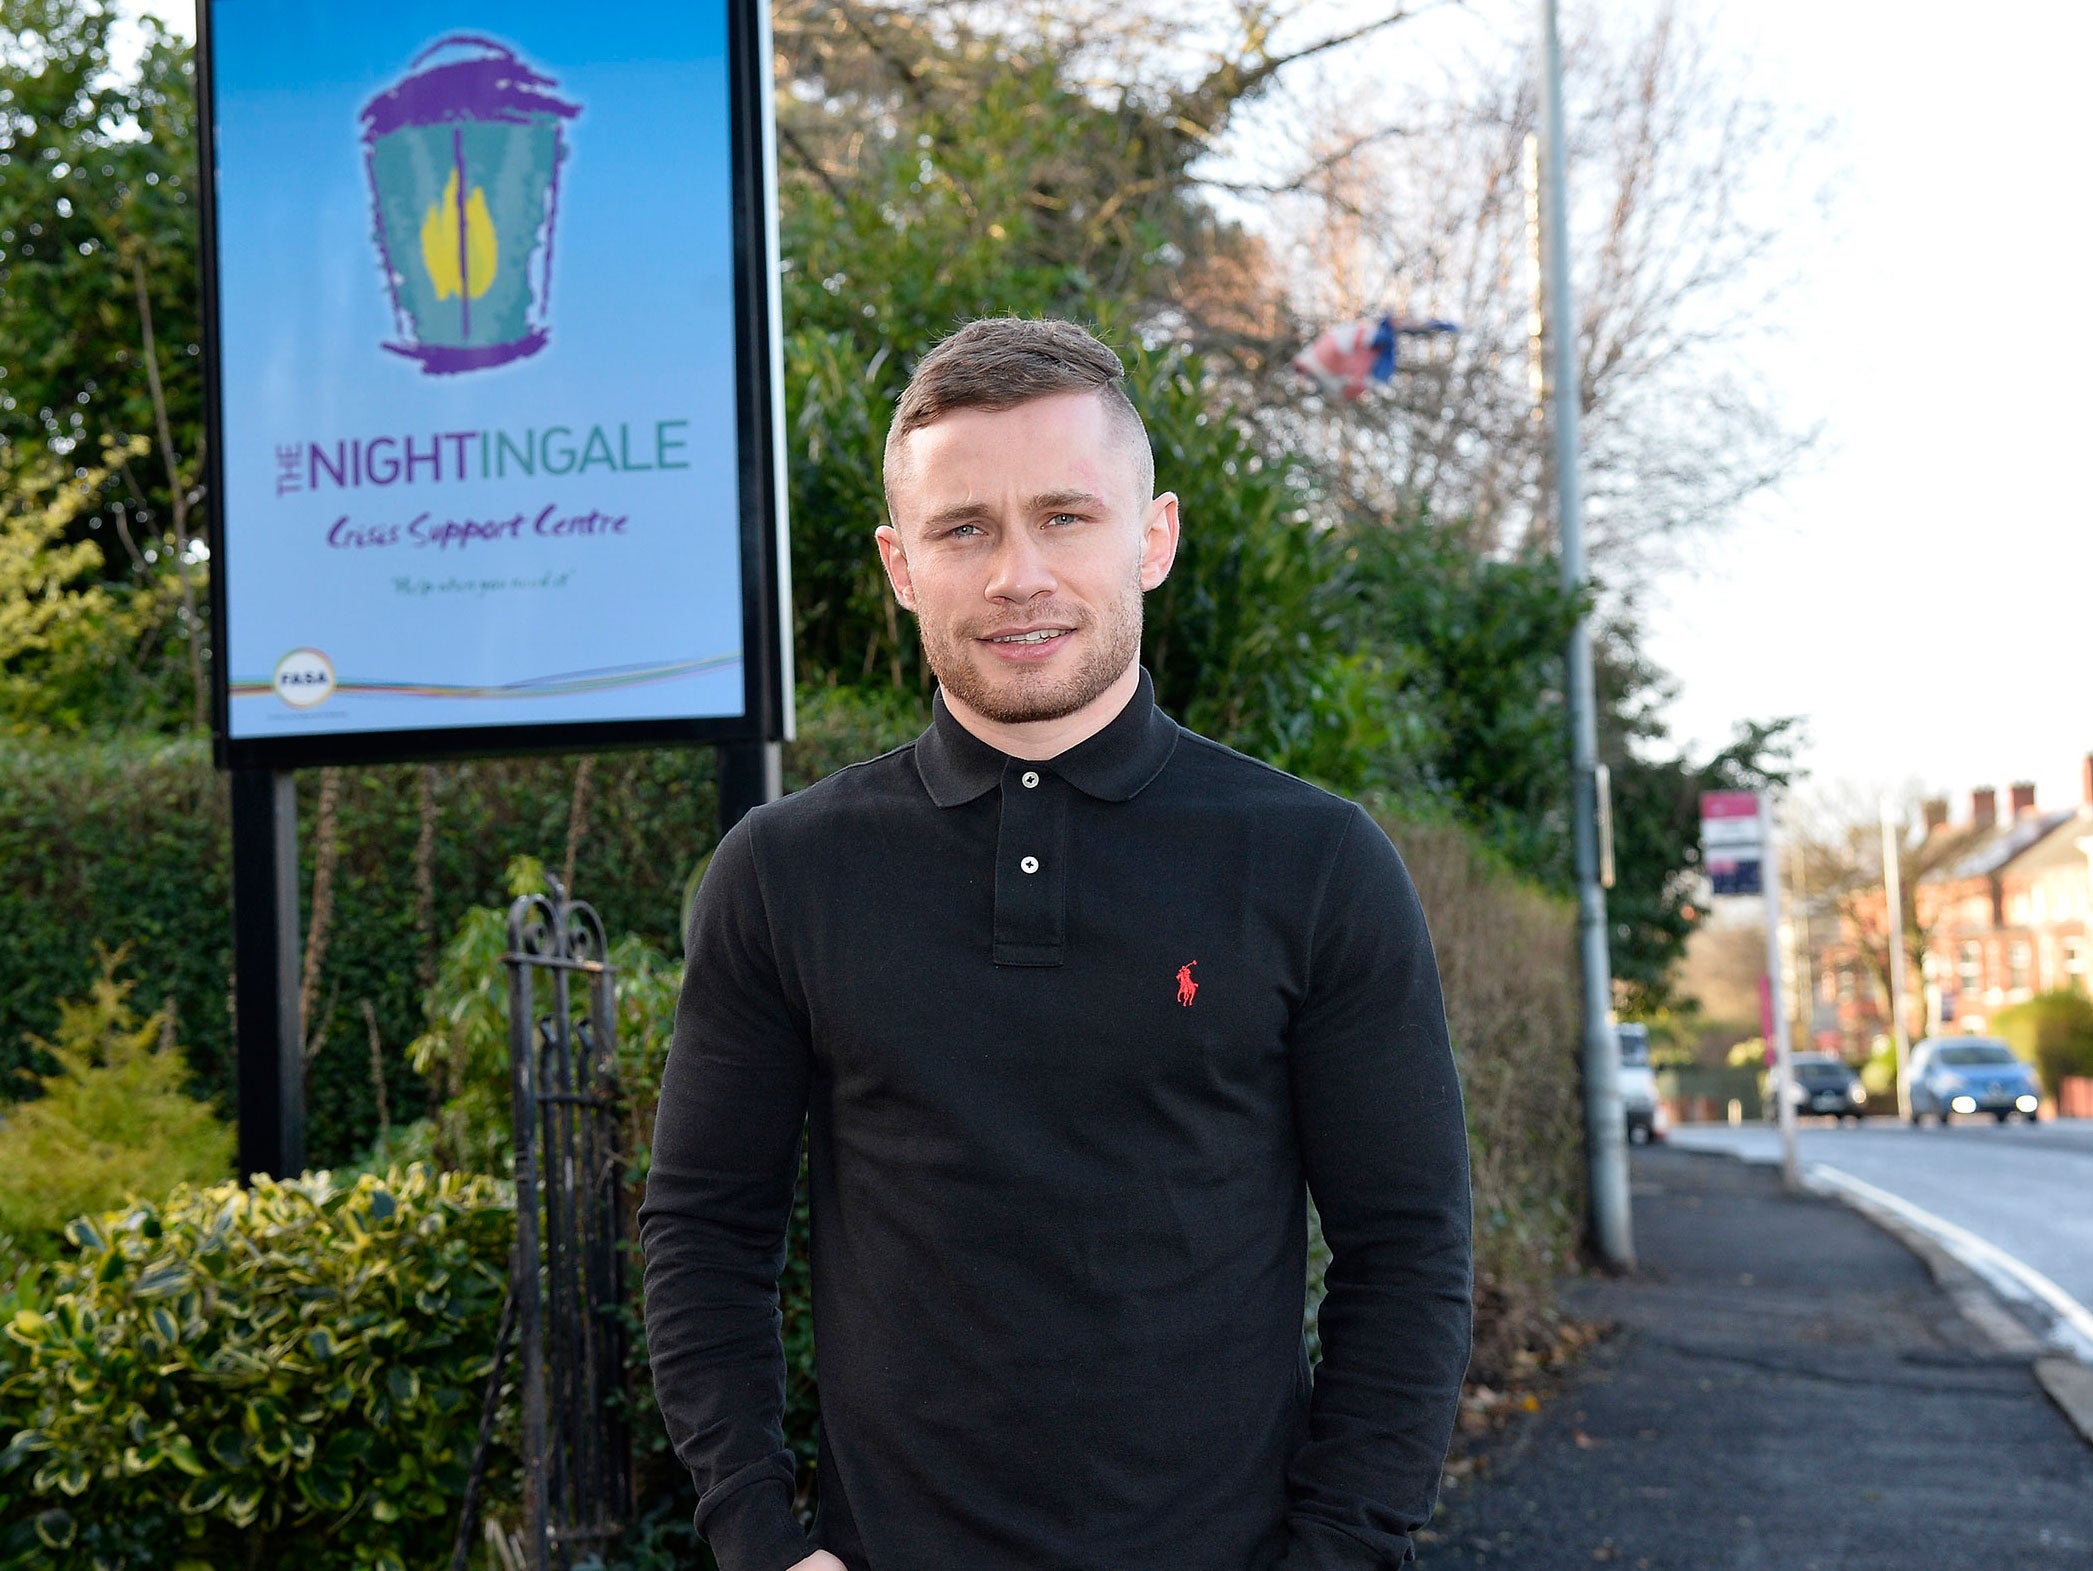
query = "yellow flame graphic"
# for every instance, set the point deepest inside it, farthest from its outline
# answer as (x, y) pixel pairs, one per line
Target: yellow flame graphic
(440, 242)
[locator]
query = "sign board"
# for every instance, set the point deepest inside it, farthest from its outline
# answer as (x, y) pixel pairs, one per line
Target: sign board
(493, 377)
(1732, 841)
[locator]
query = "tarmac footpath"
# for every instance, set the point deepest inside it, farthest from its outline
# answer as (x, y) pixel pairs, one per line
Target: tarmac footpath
(1787, 1388)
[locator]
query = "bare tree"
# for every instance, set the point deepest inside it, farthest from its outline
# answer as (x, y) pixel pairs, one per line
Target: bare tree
(1837, 859)
(1683, 184)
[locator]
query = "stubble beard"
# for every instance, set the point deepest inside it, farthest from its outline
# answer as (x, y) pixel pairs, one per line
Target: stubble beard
(1015, 695)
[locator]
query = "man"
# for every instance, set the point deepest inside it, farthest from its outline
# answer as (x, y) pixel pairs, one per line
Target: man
(1070, 1003)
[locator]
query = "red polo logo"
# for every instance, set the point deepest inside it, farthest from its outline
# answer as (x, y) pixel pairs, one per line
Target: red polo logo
(1187, 989)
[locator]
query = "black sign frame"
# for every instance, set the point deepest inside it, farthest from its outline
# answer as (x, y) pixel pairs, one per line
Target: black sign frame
(767, 667)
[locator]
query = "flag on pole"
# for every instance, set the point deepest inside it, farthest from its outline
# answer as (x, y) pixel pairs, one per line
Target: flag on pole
(1342, 359)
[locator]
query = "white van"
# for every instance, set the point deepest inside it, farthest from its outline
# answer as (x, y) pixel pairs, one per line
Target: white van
(1638, 1084)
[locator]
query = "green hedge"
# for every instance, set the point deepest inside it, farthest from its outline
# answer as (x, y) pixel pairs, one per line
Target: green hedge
(126, 842)
(2054, 1032)
(288, 1374)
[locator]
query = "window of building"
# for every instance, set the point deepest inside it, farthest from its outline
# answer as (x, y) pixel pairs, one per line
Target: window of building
(2075, 963)
(2020, 960)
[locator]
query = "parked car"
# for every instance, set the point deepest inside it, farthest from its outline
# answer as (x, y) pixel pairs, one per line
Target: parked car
(1638, 1084)
(1824, 1084)
(1971, 1074)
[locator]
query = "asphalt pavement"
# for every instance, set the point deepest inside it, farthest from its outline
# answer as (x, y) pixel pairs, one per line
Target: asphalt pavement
(1786, 1387)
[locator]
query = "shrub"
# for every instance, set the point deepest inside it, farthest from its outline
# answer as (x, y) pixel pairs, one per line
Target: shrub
(112, 1122)
(2054, 1032)
(128, 838)
(285, 1375)
(1516, 1032)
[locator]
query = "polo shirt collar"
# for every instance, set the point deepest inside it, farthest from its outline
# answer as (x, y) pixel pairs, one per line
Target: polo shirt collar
(1113, 766)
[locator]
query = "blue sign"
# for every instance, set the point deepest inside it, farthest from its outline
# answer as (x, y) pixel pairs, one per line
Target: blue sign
(494, 379)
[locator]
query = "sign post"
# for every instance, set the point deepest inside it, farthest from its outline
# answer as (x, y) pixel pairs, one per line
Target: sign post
(493, 383)
(1737, 848)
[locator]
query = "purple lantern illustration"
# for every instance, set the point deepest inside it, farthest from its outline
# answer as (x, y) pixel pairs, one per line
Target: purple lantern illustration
(464, 161)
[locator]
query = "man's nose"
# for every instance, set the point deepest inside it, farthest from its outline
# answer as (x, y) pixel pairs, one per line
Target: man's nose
(1019, 570)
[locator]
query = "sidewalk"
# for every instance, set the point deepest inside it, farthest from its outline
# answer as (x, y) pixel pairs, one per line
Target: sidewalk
(1787, 1389)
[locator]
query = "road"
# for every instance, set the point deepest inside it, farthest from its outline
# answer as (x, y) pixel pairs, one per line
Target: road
(2021, 1188)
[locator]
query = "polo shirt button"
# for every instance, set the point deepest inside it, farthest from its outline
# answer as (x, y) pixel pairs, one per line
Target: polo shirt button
(1030, 864)
(1031, 778)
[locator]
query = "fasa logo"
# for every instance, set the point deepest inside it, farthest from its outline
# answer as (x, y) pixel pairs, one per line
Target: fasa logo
(304, 677)
(464, 159)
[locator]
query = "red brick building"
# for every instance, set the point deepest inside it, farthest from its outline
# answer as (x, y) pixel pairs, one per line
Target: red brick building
(2008, 917)
(2004, 908)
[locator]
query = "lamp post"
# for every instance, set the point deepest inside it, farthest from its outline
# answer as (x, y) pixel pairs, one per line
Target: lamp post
(1605, 1130)
(1893, 892)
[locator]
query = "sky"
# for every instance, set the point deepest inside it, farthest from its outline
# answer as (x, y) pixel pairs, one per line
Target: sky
(1918, 592)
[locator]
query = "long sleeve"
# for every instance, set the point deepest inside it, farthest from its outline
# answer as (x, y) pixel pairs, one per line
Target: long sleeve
(719, 1195)
(1383, 1139)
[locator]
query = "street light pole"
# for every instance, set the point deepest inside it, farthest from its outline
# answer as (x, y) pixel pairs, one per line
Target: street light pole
(1893, 891)
(1605, 1129)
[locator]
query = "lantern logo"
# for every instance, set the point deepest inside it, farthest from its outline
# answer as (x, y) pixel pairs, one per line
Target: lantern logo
(464, 157)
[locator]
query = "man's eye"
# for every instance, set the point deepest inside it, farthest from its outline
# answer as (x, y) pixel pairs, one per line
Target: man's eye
(961, 531)
(1073, 518)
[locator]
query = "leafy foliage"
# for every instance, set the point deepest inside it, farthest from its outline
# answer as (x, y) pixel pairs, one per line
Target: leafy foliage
(79, 648)
(465, 1050)
(287, 1374)
(1656, 814)
(132, 834)
(96, 167)
(2053, 1031)
(97, 260)
(113, 1120)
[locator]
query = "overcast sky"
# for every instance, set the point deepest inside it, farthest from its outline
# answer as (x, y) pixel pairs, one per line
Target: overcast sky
(1920, 592)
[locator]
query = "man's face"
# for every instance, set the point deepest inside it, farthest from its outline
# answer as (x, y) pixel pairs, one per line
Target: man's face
(1023, 542)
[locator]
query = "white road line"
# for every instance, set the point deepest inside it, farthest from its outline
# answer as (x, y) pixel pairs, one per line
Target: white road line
(2071, 1323)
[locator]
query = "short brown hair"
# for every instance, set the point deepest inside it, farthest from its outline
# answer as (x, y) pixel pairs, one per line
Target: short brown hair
(1000, 362)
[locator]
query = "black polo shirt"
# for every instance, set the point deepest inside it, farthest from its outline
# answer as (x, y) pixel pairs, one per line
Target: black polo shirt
(1066, 1039)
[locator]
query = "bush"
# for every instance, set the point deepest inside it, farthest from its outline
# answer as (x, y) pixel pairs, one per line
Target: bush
(112, 1122)
(285, 1375)
(126, 841)
(1516, 1033)
(2054, 1032)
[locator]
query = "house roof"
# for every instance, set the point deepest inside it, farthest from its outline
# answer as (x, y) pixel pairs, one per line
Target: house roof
(2007, 841)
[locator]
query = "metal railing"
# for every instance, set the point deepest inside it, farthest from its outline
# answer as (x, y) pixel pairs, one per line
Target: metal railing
(568, 1281)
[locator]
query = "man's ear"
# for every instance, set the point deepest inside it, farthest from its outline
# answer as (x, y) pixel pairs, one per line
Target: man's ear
(895, 561)
(1158, 540)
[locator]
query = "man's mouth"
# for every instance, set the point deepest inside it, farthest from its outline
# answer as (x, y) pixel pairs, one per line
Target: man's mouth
(1038, 635)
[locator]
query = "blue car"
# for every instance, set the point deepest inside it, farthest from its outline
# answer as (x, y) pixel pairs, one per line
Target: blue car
(1971, 1074)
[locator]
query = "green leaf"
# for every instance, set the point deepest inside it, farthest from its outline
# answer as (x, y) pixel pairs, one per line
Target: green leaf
(272, 1447)
(183, 1455)
(203, 1496)
(54, 1528)
(243, 1502)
